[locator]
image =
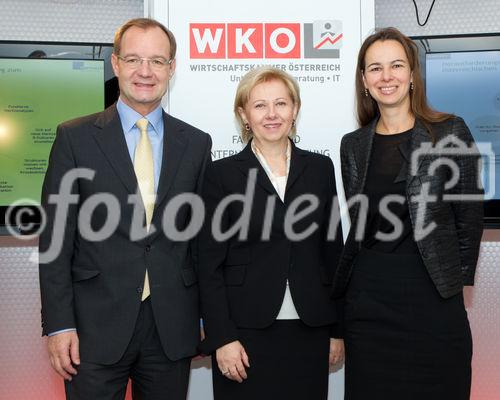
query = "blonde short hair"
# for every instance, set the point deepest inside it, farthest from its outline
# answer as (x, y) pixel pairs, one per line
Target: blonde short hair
(255, 77)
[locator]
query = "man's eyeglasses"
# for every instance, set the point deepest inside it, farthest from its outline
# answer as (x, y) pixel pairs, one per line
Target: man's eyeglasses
(157, 63)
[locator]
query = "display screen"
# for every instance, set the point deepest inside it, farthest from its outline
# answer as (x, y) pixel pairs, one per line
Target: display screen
(35, 96)
(467, 83)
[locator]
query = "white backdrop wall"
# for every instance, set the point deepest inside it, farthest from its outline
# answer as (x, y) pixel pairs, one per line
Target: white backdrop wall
(24, 371)
(219, 42)
(203, 88)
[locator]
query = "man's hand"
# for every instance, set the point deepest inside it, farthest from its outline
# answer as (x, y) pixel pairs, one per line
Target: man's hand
(64, 353)
(337, 351)
(232, 360)
(202, 336)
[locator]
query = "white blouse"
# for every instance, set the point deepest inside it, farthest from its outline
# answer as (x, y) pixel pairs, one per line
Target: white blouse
(287, 310)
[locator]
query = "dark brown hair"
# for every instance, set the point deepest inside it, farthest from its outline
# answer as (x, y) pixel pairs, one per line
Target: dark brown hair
(367, 108)
(144, 23)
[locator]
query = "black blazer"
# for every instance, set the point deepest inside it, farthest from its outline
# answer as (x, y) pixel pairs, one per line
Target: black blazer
(243, 281)
(450, 251)
(96, 286)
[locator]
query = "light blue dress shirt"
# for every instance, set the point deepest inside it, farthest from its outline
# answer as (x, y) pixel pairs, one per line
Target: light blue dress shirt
(128, 118)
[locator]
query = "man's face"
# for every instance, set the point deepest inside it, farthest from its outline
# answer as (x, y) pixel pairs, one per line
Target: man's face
(143, 85)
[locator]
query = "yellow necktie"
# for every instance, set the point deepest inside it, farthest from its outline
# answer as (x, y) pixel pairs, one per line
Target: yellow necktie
(144, 171)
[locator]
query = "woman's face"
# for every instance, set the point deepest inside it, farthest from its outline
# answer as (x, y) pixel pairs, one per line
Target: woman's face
(270, 112)
(387, 74)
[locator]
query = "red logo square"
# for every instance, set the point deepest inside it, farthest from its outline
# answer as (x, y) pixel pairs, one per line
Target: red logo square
(207, 41)
(282, 40)
(245, 41)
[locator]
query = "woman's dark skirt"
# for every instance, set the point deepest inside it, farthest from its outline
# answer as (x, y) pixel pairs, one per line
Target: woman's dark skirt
(403, 340)
(288, 360)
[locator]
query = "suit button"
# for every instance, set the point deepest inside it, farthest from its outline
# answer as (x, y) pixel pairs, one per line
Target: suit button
(148, 247)
(424, 254)
(138, 290)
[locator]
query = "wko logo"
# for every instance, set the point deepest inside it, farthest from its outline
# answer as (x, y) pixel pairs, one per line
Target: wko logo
(321, 39)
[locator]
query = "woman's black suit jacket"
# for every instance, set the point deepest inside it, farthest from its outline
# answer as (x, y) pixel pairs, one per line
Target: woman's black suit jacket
(243, 280)
(450, 251)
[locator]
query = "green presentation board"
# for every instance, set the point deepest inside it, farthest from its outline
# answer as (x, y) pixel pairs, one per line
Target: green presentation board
(35, 96)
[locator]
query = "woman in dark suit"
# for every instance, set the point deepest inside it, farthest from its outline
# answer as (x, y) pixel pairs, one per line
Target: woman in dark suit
(265, 261)
(406, 330)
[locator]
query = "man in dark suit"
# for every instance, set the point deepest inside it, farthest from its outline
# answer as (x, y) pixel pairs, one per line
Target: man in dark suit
(123, 303)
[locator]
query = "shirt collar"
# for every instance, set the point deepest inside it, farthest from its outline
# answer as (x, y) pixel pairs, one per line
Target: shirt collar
(263, 161)
(258, 153)
(128, 117)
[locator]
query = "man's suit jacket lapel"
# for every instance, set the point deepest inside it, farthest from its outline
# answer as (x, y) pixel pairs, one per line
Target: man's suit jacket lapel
(174, 146)
(111, 140)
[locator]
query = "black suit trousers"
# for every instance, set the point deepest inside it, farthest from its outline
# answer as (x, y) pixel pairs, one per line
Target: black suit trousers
(153, 375)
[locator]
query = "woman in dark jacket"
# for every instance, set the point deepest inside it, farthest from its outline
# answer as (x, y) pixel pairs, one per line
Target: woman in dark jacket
(266, 261)
(411, 178)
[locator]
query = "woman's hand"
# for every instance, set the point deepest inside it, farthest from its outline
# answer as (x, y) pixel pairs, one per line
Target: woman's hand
(232, 360)
(337, 351)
